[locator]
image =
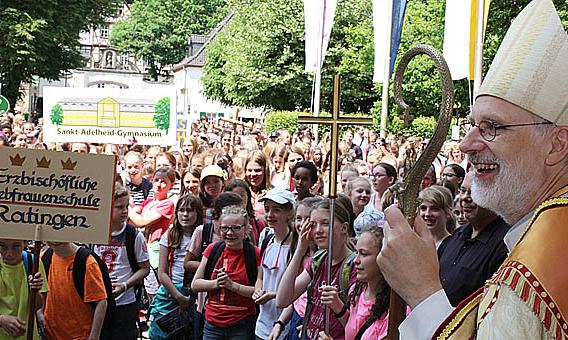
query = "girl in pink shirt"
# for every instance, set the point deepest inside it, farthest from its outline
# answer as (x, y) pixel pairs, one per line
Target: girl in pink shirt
(366, 317)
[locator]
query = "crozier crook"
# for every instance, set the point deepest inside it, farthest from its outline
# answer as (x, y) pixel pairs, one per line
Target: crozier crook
(408, 195)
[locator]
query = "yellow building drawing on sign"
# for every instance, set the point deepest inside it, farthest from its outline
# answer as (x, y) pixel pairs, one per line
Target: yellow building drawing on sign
(108, 112)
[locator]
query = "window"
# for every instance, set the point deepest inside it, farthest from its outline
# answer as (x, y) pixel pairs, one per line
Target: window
(104, 32)
(85, 51)
(124, 60)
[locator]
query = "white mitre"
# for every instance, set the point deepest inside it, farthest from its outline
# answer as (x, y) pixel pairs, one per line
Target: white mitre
(530, 68)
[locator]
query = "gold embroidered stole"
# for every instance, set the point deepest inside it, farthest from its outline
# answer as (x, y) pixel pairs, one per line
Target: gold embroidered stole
(533, 270)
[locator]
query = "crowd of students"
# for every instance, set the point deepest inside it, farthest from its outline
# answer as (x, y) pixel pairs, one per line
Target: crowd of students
(230, 231)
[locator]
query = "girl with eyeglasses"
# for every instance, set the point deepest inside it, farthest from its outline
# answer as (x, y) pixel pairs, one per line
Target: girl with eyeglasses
(455, 174)
(230, 312)
(202, 237)
(174, 289)
(313, 276)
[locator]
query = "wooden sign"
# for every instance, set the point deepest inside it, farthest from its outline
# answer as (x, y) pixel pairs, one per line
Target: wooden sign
(70, 195)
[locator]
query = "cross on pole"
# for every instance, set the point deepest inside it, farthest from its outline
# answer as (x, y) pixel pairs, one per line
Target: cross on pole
(335, 121)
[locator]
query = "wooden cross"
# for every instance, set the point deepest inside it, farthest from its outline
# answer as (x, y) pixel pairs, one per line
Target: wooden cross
(335, 121)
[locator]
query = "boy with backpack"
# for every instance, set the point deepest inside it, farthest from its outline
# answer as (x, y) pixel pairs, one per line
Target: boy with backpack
(126, 258)
(15, 264)
(74, 310)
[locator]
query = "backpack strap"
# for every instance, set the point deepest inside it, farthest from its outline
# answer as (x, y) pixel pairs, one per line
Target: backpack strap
(206, 236)
(364, 328)
(316, 260)
(46, 259)
(265, 242)
(345, 275)
(79, 270)
(315, 266)
(250, 262)
(130, 234)
(213, 258)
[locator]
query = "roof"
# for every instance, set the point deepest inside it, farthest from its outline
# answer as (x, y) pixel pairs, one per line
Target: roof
(198, 58)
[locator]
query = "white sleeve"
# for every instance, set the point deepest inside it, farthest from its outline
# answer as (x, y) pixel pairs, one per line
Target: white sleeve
(140, 248)
(425, 318)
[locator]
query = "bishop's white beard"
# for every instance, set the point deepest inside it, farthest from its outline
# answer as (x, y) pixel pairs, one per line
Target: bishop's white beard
(511, 191)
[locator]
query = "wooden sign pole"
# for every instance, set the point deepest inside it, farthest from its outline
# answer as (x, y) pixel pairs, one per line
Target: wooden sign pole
(32, 293)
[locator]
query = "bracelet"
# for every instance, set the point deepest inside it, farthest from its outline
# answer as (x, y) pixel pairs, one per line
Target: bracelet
(125, 285)
(280, 323)
(342, 312)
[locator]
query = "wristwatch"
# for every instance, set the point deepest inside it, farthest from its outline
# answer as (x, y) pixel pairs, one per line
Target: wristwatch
(278, 322)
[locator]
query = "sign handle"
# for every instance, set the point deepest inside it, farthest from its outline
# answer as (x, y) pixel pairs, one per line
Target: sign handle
(32, 293)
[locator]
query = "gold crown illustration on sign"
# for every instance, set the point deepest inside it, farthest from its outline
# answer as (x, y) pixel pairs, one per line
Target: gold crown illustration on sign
(43, 162)
(17, 160)
(68, 164)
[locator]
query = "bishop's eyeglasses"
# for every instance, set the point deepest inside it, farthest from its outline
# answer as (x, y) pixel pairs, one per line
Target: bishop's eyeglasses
(488, 129)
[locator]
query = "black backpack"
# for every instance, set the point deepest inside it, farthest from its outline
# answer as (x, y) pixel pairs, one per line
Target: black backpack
(250, 260)
(79, 271)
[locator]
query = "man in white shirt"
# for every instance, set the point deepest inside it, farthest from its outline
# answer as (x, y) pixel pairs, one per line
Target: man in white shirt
(517, 144)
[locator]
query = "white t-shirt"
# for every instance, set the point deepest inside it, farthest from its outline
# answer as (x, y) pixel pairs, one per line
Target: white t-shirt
(116, 259)
(274, 264)
(177, 269)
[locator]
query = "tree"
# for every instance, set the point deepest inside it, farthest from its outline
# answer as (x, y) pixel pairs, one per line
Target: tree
(157, 30)
(43, 39)
(162, 114)
(56, 116)
(258, 59)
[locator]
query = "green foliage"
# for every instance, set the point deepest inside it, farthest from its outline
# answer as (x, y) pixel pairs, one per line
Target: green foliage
(423, 127)
(42, 38)
(56, 115)
(322, 129)
(162, 114)
(287, 120)
(258, 59)
(157, 30)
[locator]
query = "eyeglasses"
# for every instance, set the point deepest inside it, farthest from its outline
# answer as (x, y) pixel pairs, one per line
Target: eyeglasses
(234, 228)
(464, 191)
(488, 130)
(375, 176)
(449, 175)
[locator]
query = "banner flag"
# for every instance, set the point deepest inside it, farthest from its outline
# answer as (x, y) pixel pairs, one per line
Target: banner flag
(380, 28)
(460, 36)
(318, 19)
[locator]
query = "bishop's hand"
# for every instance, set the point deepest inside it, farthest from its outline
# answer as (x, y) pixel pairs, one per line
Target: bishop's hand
(408, 258)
